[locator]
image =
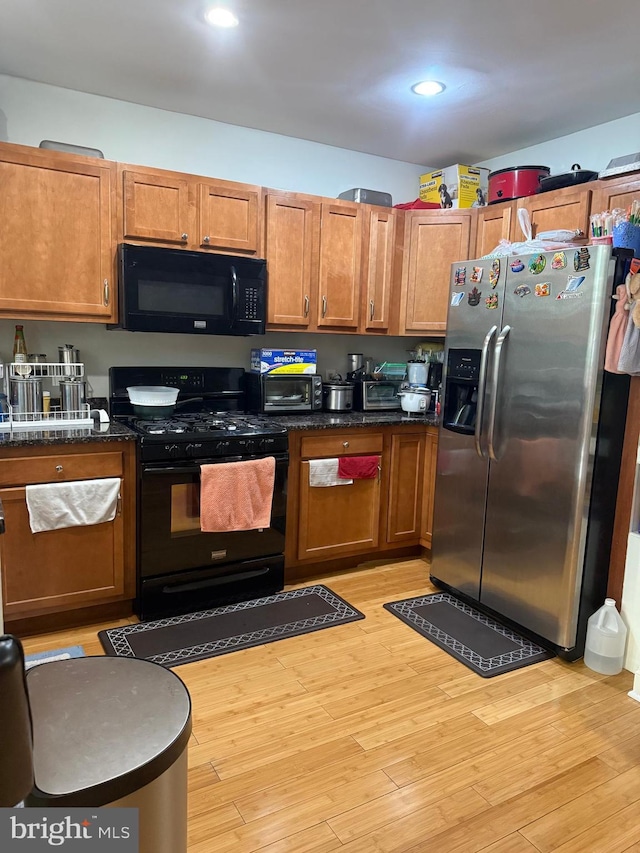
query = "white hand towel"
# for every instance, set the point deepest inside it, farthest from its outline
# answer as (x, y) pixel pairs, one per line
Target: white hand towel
(324, 472)
(82, 502)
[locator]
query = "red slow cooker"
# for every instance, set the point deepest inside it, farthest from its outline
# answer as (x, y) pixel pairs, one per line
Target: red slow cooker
(515, 182)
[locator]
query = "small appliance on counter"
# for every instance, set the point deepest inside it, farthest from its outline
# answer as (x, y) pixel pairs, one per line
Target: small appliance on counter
(337, 396)
(283, 393)
(376, 395)
(415, 399)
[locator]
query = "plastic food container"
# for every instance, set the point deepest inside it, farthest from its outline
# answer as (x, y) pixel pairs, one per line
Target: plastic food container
(152, 395)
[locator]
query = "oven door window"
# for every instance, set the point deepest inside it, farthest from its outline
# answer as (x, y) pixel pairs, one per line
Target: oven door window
(382, 392)
(170, 536)
(286, 391)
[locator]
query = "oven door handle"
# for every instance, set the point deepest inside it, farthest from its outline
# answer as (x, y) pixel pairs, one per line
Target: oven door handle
(194, 468)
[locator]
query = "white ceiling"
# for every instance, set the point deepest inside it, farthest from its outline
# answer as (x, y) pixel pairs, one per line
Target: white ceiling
(339, 71)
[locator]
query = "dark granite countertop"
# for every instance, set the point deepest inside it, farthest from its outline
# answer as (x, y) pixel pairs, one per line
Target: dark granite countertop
(66, 435)
(349, 420)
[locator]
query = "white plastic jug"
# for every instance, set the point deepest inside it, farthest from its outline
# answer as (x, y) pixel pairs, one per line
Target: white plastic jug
(606, 637)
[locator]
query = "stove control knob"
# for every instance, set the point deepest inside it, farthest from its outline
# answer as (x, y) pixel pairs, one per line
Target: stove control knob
(250, 446)
(193, 449)
(222, 445)
(173, 450)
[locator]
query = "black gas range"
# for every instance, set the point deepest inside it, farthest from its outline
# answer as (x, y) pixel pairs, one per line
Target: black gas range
(208, 421)
(180, 568)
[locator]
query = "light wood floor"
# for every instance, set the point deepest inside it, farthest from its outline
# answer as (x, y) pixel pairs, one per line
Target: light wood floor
(366, 738)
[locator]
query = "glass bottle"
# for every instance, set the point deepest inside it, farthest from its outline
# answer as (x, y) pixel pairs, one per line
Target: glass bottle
(20, 352)
(19, 345)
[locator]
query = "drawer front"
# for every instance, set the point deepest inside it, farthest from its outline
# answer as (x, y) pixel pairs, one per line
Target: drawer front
(27, 470)
(341, 444)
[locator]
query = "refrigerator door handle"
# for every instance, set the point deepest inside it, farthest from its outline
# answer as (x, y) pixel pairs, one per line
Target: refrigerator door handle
(496, 384)
(482, 387)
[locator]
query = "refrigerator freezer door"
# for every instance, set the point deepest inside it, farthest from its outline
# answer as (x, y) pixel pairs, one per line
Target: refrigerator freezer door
(544, 438)
(461, 474)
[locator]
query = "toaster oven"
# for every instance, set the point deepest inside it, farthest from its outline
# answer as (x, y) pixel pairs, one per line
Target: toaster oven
(371, 395)
(283, 393)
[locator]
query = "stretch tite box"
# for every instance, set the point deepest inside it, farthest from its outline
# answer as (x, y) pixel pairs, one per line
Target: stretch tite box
(284, 360)
(456, 186)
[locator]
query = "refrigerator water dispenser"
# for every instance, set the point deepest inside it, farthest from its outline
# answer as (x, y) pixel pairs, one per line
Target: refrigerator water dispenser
(461, 394)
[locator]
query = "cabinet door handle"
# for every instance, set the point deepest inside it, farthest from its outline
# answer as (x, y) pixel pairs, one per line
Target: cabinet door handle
(184, 237)
(372, 309)
(306, 306)
(324, 306)
(345, 444)
(58, 468)
(206, 239)
(379, 472)
(105, 284)
(119, 505)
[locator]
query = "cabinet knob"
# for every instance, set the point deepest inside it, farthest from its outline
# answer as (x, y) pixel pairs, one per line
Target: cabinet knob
(206, 239)
(345, 444)
(58, 468)
(184, 236)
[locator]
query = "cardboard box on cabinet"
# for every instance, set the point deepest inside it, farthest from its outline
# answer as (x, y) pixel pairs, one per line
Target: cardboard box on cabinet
(456, 186)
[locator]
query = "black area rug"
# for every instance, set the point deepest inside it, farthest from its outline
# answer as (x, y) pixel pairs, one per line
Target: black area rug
(476, 640)
(209, 633)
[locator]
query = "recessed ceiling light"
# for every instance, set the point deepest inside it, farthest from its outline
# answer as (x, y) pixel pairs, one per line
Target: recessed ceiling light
(219, 17)
(428, 88)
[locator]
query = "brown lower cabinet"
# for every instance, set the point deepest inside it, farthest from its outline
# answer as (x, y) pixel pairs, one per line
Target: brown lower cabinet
(367, 517)
(63, 571)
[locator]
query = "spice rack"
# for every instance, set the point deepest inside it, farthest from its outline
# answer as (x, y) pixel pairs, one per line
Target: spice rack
(13, 421)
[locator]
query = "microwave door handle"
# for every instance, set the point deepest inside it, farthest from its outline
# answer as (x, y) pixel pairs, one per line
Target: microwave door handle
(234, 296)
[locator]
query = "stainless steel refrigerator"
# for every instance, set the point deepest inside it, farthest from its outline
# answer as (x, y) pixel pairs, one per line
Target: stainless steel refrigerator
(530, 439)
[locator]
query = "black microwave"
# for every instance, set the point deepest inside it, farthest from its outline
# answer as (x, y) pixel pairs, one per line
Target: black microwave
(173, 290)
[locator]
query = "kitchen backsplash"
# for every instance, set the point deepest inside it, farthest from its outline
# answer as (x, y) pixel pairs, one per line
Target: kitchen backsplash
(101, 348)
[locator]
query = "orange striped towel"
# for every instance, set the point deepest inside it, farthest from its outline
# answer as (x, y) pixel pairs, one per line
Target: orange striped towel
(236, 495)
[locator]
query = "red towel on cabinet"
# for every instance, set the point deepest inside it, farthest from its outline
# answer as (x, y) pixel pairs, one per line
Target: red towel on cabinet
(358, 467)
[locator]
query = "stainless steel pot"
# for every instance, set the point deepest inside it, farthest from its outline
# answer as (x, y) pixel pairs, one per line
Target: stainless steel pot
(72, 396)
(337, 396)
(26, 398)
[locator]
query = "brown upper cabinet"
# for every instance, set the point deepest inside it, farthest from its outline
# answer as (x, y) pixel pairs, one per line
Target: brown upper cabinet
(381, 269)
(494, 224)
(189, 211)
(313, 252)
(56, 241)
(615, 192)
(566, 209)
(433, 241)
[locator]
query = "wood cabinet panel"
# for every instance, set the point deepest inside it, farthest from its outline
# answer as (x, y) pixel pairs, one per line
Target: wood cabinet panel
(59, 468)
(292, 242)
(433, 241)
(337, 520)
(339, 270)
(228, 217)
(615, 192)
(380, 263)
(566, 209)
(494, 223)
(341, 444)
(56, 250)
(405, 488)
(429, 486)
(70, 567)
(66, 571)
(157, 207)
